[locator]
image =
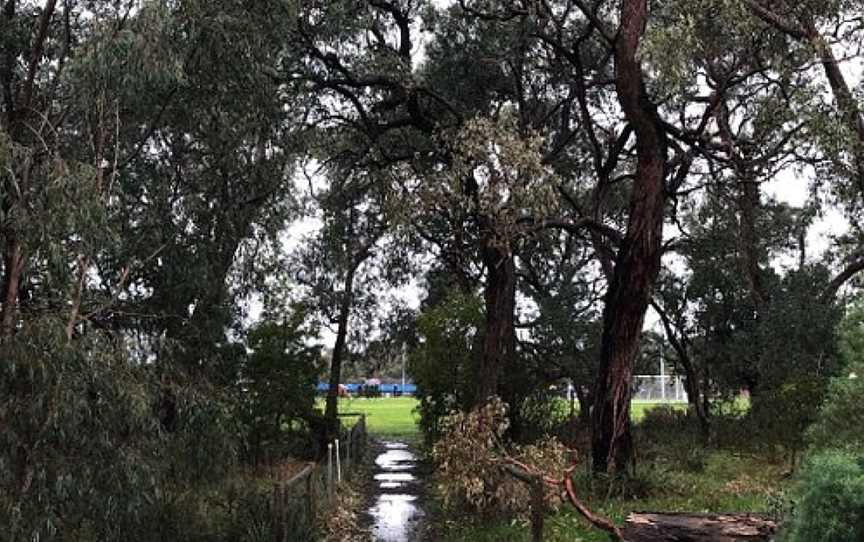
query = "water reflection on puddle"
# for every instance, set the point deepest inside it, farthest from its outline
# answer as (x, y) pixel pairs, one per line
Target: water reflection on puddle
(395, 460)
(394, 477)
(394, 513)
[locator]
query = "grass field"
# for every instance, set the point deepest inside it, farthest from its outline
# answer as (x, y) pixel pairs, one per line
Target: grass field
(385, 416)
(395, 416)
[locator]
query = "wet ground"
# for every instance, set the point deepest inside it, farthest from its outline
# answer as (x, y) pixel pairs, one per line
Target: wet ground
(396, 510)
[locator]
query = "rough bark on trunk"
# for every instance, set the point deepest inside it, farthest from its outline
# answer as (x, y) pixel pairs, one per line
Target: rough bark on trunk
(748, 209)
(499, 339)
(651, 527)
(638, 259)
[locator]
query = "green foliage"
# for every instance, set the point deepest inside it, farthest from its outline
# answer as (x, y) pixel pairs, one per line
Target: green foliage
(206, 438)
(829, 494)
(668, 434)
(852, 335)
(278, 383)
(86, 455)
(796, 358)
(829, 500)
(442, 366)
(81, 448)
(845, 396)
(469, 456)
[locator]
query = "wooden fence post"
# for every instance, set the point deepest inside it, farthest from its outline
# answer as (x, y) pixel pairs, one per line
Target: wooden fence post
(538, 506)
(330, 472)
(310, 497)
(284, 516)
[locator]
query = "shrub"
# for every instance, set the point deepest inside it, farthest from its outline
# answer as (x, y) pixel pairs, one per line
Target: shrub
(469, 456)
(441, 365)
(672, 434)
(829, 500)
(278, 384)
(79, 449)
(834, 427)
(83, 455)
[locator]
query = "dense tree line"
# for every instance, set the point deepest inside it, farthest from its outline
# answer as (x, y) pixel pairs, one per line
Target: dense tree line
(550, 171)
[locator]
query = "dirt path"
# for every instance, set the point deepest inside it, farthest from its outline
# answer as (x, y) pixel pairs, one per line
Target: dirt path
(398, 493)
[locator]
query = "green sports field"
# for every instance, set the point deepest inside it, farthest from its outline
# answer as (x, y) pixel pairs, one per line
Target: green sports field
(395, 416)
(385, 416)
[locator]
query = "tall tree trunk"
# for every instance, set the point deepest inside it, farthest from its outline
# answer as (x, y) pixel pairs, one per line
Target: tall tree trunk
(749, 253)
(748, 203)
(697, 398)
(638, 259)
(331, 410)
(499, 339)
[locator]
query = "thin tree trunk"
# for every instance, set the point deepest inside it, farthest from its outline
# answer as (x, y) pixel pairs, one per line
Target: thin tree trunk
(18, 111)
(638, 260)
(77, 294)
(331, 410)
(696, 398)
(13, 269)
(583, 395)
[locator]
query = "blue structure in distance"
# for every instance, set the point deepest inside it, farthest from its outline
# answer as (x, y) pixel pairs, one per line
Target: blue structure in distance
(354, 389)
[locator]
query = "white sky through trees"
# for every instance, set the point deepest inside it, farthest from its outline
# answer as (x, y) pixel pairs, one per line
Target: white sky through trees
(791, 187)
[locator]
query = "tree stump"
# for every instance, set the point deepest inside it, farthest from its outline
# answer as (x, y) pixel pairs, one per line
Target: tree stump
(658, 527)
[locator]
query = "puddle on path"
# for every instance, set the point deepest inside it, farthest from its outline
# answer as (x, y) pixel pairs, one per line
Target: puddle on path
(395, 512)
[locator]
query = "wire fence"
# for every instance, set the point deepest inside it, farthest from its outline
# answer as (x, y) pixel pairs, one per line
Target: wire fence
(298, 500)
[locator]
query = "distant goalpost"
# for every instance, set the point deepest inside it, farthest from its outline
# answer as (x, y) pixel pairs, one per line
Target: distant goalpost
(659, 389)
(653, 389)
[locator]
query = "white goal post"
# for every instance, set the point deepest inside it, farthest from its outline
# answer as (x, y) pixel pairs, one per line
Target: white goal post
(659, 389)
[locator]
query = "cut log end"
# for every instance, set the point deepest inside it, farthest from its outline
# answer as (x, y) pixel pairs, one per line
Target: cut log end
(658, 527)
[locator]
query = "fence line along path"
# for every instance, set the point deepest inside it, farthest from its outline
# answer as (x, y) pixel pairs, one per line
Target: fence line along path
(297, 501)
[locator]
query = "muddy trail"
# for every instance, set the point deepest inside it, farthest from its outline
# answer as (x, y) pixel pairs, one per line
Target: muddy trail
(398, 493)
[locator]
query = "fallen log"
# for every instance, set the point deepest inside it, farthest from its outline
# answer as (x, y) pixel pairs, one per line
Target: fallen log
(659, 527)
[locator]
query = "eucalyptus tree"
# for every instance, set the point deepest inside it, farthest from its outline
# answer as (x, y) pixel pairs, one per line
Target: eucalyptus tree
(609, 111)
(817, 30)
(83, 435)
(776, 123)
(335, 265)
(56, 143)
(560, 274)
(501, 168)
(675, 101)
(829, 34)
(207, 176)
